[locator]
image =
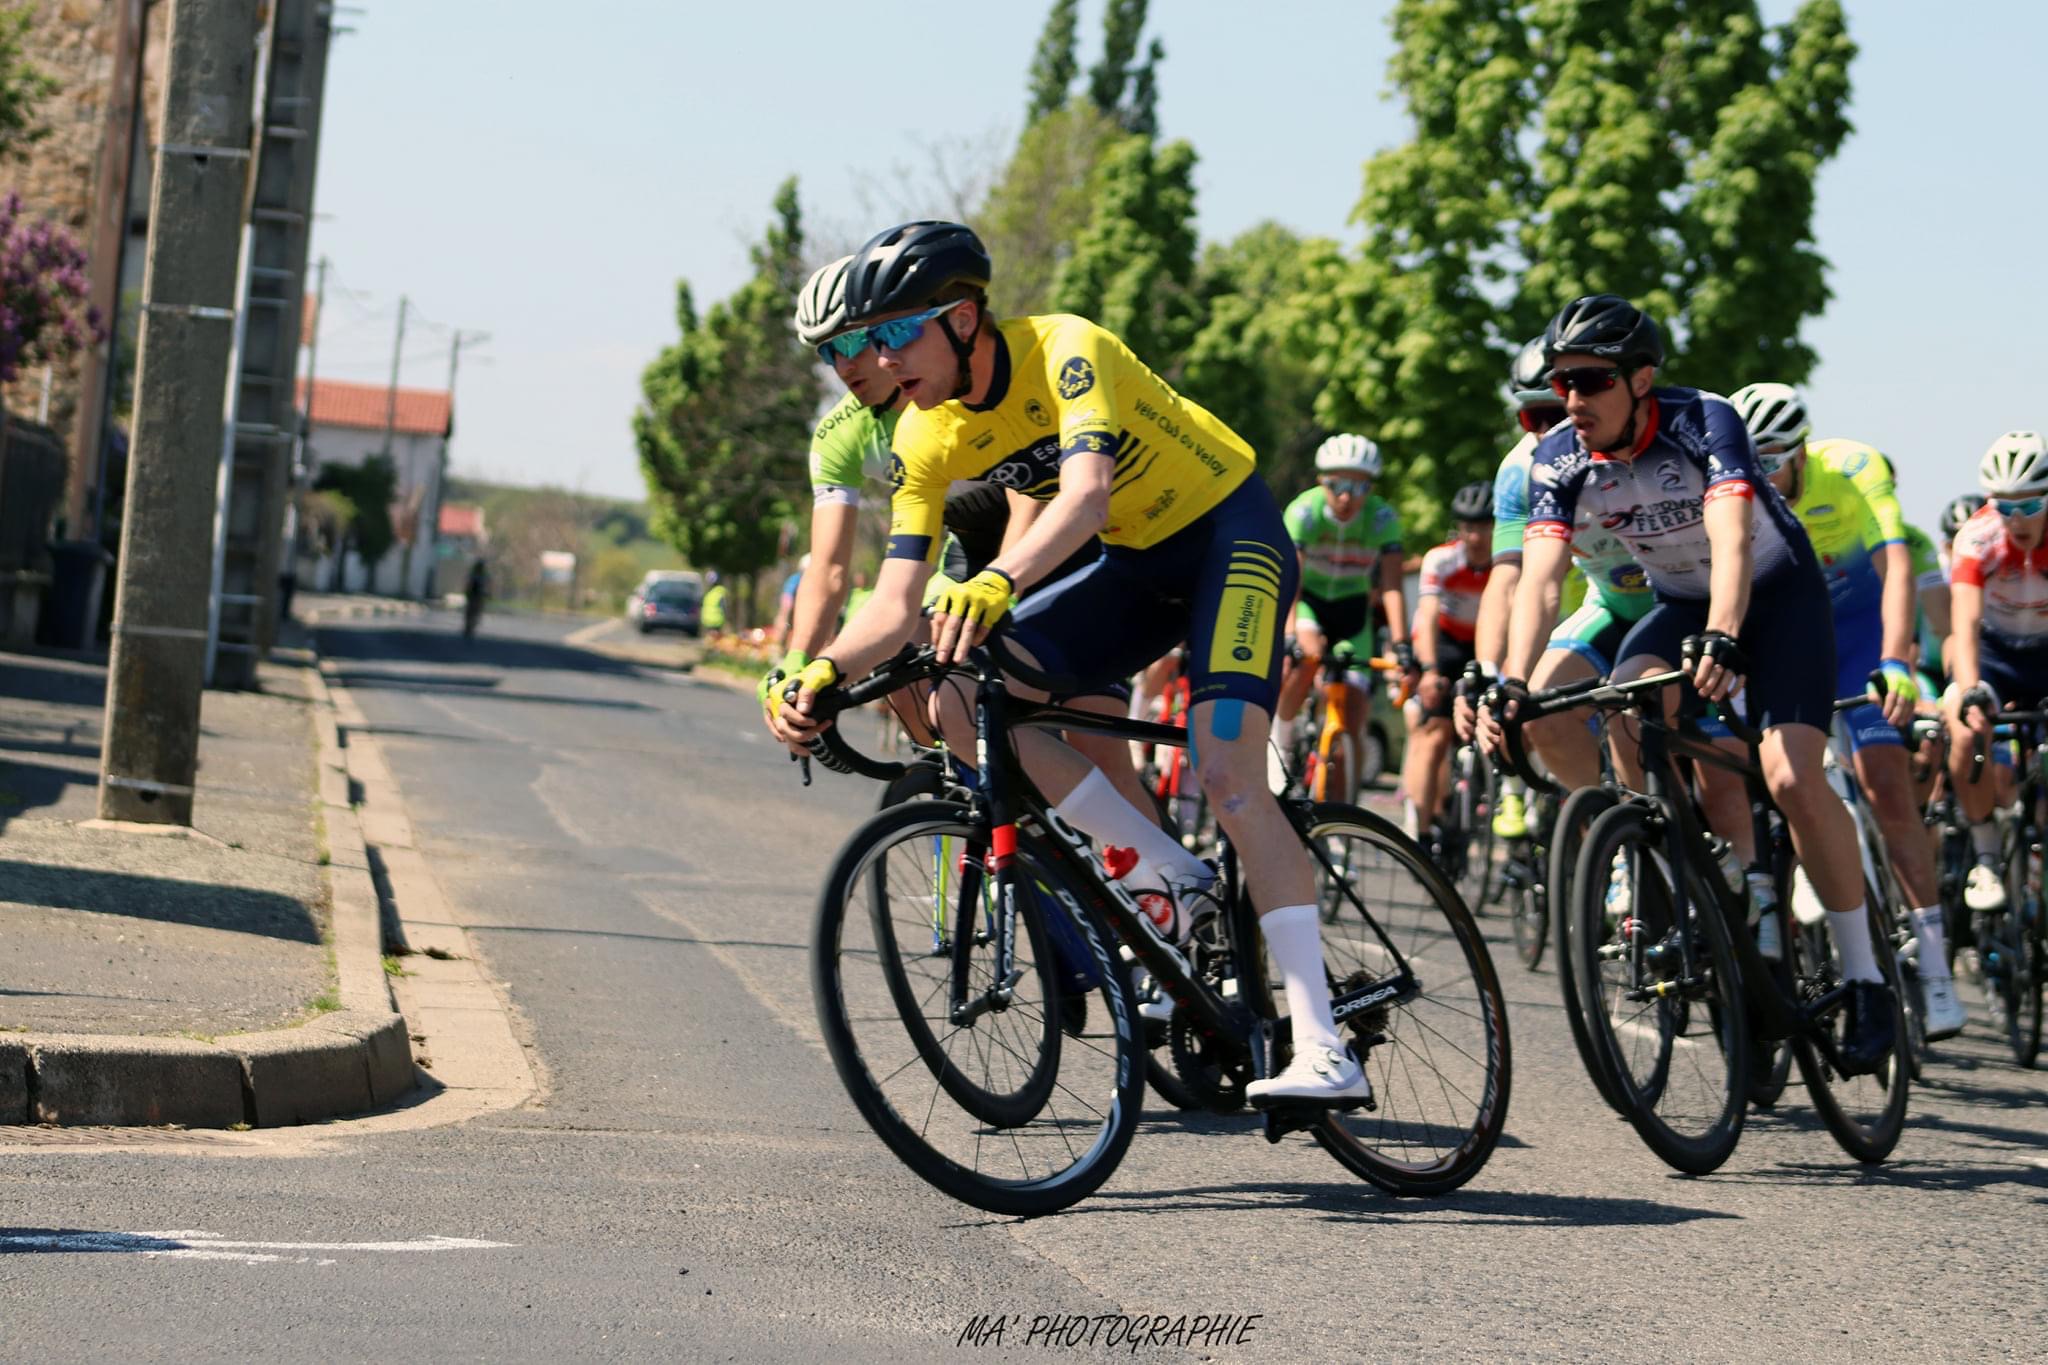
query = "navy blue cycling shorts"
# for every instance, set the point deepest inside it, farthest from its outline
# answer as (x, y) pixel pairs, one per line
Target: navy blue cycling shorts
(1789, 636)
(1222, 584)
(2016, 671)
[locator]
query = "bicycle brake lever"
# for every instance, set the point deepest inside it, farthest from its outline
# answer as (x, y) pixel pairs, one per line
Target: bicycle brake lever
(803, 764)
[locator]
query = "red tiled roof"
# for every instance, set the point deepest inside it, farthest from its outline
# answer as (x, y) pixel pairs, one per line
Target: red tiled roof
(462, 520)
(337, 403)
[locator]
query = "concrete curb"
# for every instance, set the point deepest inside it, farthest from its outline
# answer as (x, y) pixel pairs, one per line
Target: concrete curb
(348, 1061)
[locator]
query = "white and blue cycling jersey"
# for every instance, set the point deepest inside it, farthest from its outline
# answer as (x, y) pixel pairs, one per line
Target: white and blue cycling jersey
(1692, 450)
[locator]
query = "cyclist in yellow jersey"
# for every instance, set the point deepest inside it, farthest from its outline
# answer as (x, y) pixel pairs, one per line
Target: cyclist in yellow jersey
(1842, 492)
(1195, 548)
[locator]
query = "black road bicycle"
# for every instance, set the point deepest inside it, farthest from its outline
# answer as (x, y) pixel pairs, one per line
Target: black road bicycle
(1672, 989)
(2009, 941)
(976, 1004)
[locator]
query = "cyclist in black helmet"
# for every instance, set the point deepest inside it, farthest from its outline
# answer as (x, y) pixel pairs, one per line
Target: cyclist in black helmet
(1673, 473)
(1196, 550)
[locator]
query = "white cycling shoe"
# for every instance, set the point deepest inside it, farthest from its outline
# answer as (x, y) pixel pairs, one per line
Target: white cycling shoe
(1945, 1013)
(1985, 890)
(1317, 1075)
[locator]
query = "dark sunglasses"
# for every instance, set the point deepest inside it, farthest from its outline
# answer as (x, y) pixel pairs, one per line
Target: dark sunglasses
(2019, 507)
(1356, 488)
(896, 333)
(1540, 419)
(1587, 379)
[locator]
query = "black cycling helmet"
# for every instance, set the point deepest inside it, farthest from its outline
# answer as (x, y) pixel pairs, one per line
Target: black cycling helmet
(1605, 325)
(905, 267)
(1474, 502)
(1956, 513)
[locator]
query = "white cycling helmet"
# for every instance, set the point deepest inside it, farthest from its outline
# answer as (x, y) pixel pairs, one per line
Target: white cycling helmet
(821, 303)
(1776, 416)
(2016, 465)
(1348, 455)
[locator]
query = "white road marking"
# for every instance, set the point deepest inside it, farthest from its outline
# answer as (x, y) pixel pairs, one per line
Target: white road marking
(208, 1246)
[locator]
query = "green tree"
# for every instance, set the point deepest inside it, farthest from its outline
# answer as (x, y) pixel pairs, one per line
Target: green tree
(360, 506)
(1133, 266)
(1122, 23)
(1040, 203)
(1141, 115)
(1054, 65)
(1672, 148)
(728, 409)
(1264, 298)
(23, 85)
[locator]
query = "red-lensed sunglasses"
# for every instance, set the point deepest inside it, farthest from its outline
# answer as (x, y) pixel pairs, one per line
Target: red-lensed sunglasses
(1587, 379)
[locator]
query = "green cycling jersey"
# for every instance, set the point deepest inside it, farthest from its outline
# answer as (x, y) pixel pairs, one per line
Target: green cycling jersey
(850, 447)
(1341, 558)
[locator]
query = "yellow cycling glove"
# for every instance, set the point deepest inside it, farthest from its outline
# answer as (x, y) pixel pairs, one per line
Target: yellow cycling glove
(770, 691)
(980, 601)
(816, 676)
(1898, 677)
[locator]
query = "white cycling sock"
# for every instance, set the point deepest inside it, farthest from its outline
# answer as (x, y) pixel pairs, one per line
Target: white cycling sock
(1097, 809)
(1984, 838)
(1851, 931)
(1927, 928)
(1283, 732)
(1294, 936)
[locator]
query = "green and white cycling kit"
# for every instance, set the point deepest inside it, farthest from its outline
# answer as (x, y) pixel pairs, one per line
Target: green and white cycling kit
(1340, 564)
(850, 447)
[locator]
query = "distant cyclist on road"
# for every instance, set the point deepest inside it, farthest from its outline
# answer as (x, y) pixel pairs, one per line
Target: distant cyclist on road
(1446, 619)
(1998, 648)
(1349, 539)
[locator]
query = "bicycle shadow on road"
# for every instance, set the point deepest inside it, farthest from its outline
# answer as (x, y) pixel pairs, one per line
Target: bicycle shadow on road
(1939, 1176)
(1354, 1203)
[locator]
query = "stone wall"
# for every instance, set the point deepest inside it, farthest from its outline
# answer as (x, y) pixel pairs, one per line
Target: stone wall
(76, 43)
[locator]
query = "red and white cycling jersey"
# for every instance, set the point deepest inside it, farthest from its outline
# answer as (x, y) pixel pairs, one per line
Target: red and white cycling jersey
(1451, 577)
(2015, 581)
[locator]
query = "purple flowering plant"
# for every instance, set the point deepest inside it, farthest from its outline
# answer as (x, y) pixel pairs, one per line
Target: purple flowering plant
(43, 310)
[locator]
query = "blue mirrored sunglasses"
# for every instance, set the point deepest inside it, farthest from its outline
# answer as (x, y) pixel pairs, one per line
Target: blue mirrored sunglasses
(1357, 488)
(2019, 507)
(896, 333)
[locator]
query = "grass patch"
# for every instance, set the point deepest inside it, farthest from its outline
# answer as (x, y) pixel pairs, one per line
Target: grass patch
(326, 1002)
(392, 966)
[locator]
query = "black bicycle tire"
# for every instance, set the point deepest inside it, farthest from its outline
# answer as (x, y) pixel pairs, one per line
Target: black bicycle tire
(2022, 982)
(1574, 817)
(1019, 1198)
(1867, 1147)
(1002, 1110)
(1471, 1155)
(1695, 1156)
(1529, 921)
(919, 781)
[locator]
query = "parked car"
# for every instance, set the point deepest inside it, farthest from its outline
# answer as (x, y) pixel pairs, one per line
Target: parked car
(668, 604)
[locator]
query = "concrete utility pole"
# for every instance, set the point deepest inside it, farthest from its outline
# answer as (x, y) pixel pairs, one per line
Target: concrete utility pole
(456, 344)
(188, 318)
(398, 486)
(257, 463)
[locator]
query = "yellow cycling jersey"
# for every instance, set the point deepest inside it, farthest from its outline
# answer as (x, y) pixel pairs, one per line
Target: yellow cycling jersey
(1064, 386)
(1872, 474)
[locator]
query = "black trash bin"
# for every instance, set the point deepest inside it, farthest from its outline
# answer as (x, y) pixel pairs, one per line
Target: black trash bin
(78, 576)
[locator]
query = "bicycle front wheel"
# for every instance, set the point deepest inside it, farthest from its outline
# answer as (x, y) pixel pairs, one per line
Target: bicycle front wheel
(1662, 998)
(1438, 1056)
(1023, 1102)
(1578, 813)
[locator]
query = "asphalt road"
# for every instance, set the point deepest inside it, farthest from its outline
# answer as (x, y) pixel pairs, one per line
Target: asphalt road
(693, 1183)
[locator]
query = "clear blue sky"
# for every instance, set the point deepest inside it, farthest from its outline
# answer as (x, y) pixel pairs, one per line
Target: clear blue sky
(548, 179)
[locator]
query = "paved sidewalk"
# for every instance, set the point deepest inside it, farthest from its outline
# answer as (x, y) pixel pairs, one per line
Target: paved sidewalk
(166, 975)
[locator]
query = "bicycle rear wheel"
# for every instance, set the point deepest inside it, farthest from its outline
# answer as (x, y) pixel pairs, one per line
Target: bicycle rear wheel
(1438, 1059)
(1865, 1113)
(1678, 1046)
(1029, 1104)
(1578, 813)
(2021, 983)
